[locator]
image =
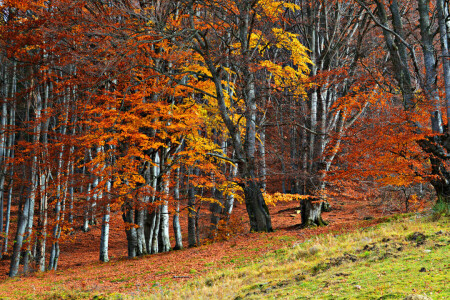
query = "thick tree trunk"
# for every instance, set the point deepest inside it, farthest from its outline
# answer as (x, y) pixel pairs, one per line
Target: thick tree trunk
(129, 219)
(431, 89)
(444, 38)
(26, 220)
(443, 195)
(215, 209)
(149, 228)
(257, 209)
(311, 213)
(141, 213)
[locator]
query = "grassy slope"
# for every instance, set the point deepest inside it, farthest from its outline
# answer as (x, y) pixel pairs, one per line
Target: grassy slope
(382, 262)
(372, 263)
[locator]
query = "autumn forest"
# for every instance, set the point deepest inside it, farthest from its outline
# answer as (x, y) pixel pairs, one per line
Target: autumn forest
(169, 112)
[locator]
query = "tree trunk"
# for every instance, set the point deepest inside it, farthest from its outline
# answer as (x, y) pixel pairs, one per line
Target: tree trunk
(257, 209)
(263, 168)
(3, 150)
(164, 231)
(431, 89)
(21, 228)
(129, 219)
(54, 252)
(140, 230)
(25, 226)
(154, 237)
(311, 213)
(104, 237)
(176, 216)
(149, 228)
(12, 136)
(192, 238)
(229, 201)
(443, 33)
(86, 209)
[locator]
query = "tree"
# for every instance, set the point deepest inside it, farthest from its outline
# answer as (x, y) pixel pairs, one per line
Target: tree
(230, 40)
(425, 74)
(305, 136)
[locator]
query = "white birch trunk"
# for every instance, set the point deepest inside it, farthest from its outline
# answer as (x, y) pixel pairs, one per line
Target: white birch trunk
(443, 34)
(176, 216)
(104, 237)
(164, 231)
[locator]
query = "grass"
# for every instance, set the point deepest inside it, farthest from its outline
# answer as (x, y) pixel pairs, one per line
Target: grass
(405, 255)
(388, 261)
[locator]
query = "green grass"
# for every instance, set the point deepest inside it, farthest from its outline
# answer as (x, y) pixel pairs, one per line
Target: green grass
(383, 262)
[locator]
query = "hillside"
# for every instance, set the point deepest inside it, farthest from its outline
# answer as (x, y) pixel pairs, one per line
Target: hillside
(405, 256)
(270, 261)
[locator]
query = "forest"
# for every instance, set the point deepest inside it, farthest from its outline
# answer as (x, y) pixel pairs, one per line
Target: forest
(169, 112)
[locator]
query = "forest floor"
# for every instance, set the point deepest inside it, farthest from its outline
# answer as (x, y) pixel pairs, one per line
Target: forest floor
(80, 270)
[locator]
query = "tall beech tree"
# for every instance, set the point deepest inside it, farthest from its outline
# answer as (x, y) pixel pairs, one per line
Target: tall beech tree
(229, 39)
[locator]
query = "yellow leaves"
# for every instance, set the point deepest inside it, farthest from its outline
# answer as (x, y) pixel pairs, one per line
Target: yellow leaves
(290, 6)
(198, 69)
(258, 40)
(229, 71)
(290, 41)
(285, 77)
(274, 9)
(231, 188)
(273, 199)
